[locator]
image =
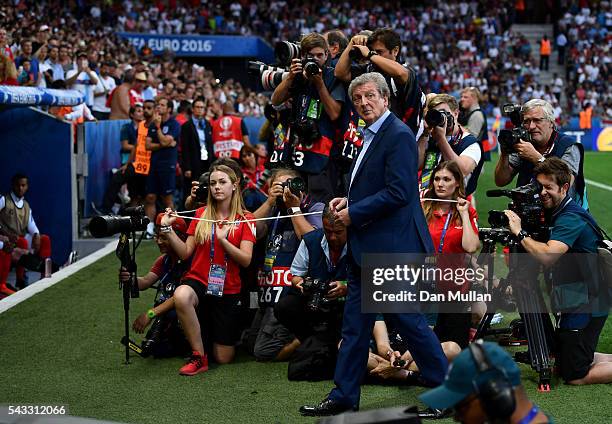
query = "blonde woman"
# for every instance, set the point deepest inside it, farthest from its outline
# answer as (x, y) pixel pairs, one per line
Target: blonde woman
(211, 288)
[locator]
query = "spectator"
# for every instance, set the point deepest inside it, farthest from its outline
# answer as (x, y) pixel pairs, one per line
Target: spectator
(8, 73)
(121, 98)
(5, 49)
(83, 78)
(106, 84)
(27, 54)
(544, 53)
(54, 70)
(252, 168)
(473, 118)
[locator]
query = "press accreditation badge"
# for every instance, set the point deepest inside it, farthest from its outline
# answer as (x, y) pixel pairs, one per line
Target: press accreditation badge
(216, 280)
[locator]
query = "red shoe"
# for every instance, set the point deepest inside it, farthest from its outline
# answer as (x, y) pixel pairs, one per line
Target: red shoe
(5, 290)
(197, 363)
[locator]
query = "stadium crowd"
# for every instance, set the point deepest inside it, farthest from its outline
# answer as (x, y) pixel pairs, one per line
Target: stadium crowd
(487, 54)
(360, 154)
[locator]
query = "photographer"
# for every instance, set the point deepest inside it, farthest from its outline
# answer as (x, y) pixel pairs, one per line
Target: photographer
(538, 120)
(444, 139)
(212, 284)
(167, 270)
(269, 340)
(321, 256)
(578, 294)
(381, 49)
(317, 99)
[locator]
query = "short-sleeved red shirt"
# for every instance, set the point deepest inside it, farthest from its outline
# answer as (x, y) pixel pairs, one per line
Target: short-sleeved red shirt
(452, 243)
(200, 264)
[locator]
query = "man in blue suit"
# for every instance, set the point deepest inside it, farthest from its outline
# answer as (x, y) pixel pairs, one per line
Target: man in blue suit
(383, 215)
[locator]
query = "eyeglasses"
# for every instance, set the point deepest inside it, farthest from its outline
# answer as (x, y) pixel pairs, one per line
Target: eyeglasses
(537, 121)
(369, 97)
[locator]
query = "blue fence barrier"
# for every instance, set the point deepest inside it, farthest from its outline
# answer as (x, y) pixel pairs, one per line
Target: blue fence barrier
(40, 147)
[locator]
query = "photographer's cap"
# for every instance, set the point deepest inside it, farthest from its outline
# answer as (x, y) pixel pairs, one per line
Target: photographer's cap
(463, 372)
(178, 225)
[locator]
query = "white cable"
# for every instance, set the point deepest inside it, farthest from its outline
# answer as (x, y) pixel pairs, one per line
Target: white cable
(439, 200)
(247, 220)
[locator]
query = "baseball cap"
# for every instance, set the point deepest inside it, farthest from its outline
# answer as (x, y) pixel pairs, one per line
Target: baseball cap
(178, 225)
(463, 373)
(141, 76)
(44, 28)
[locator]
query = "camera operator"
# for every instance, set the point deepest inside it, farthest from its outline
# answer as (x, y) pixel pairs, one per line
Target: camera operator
(317, 99)
(269, 340)
(167, 269)
(578, 294)
(444, 139)
(321, 256)
(546, 141)
(381, 49)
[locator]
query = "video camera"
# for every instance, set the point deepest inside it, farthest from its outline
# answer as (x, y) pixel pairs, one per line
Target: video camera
(436, 118)
(132, 219)
(316, 290)
(508, 138)
(526, 203)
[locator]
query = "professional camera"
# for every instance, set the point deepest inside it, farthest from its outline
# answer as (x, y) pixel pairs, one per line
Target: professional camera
(201, 193)
(305, 131)
(436, 118)
(286, 51)
(316, 290)
(508, 138)
(269, 76)
(296, 185)
(355, 54)
(132, 219)
(526, 203)
(311, 66)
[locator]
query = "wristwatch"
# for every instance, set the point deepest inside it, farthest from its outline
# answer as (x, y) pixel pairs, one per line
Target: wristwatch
(151, 313)
(542, 159)
(521, 235)
(294, 210)
(371, 53)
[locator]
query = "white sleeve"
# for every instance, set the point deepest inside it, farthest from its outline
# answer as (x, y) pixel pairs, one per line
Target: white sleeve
(32, 228)
(299, 266)
(2, 202)
(472, 152)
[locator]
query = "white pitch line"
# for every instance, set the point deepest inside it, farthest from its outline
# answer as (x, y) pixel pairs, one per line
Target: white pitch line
(598, 185)
(37, 287)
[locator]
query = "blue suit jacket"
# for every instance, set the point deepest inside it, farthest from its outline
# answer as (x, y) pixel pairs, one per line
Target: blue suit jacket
(384, 205)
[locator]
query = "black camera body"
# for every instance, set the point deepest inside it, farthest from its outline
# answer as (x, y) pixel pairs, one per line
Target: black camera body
(526, 203)
(437, 118)
(305, 131)
(509, 138)
(132, 219)
(201, 193)
(316, 290)
(296, 185)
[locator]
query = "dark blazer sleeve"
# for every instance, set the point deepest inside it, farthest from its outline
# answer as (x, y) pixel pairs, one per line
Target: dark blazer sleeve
(209, 143)
(186, 147)
(400, 165)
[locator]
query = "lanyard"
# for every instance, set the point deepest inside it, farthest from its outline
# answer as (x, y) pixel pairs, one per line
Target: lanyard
(448, 217)
(530, 416)
(455, 139)
(212, 246)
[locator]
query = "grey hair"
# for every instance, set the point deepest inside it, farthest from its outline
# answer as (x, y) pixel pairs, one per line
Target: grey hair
(547, 108)
(373, 77)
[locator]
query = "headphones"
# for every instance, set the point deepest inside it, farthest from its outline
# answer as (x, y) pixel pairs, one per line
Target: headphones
(492, 386)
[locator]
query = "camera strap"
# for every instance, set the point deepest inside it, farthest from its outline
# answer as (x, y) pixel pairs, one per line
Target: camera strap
(272, 247)
(448, 218)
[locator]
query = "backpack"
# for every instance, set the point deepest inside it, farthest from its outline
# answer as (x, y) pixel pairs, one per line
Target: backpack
(604, 255)
(314, 359)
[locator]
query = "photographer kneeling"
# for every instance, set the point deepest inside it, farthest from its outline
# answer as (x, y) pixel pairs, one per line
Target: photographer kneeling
(319, 273)
(579, 295)
(165, 338)
(268, 339)
(212, 284)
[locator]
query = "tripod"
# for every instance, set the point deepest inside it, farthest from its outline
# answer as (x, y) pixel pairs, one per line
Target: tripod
(523, 278)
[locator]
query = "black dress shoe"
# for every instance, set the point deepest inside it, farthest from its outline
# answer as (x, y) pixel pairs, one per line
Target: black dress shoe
(326, 407)
(414, 379)
(435, 414)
